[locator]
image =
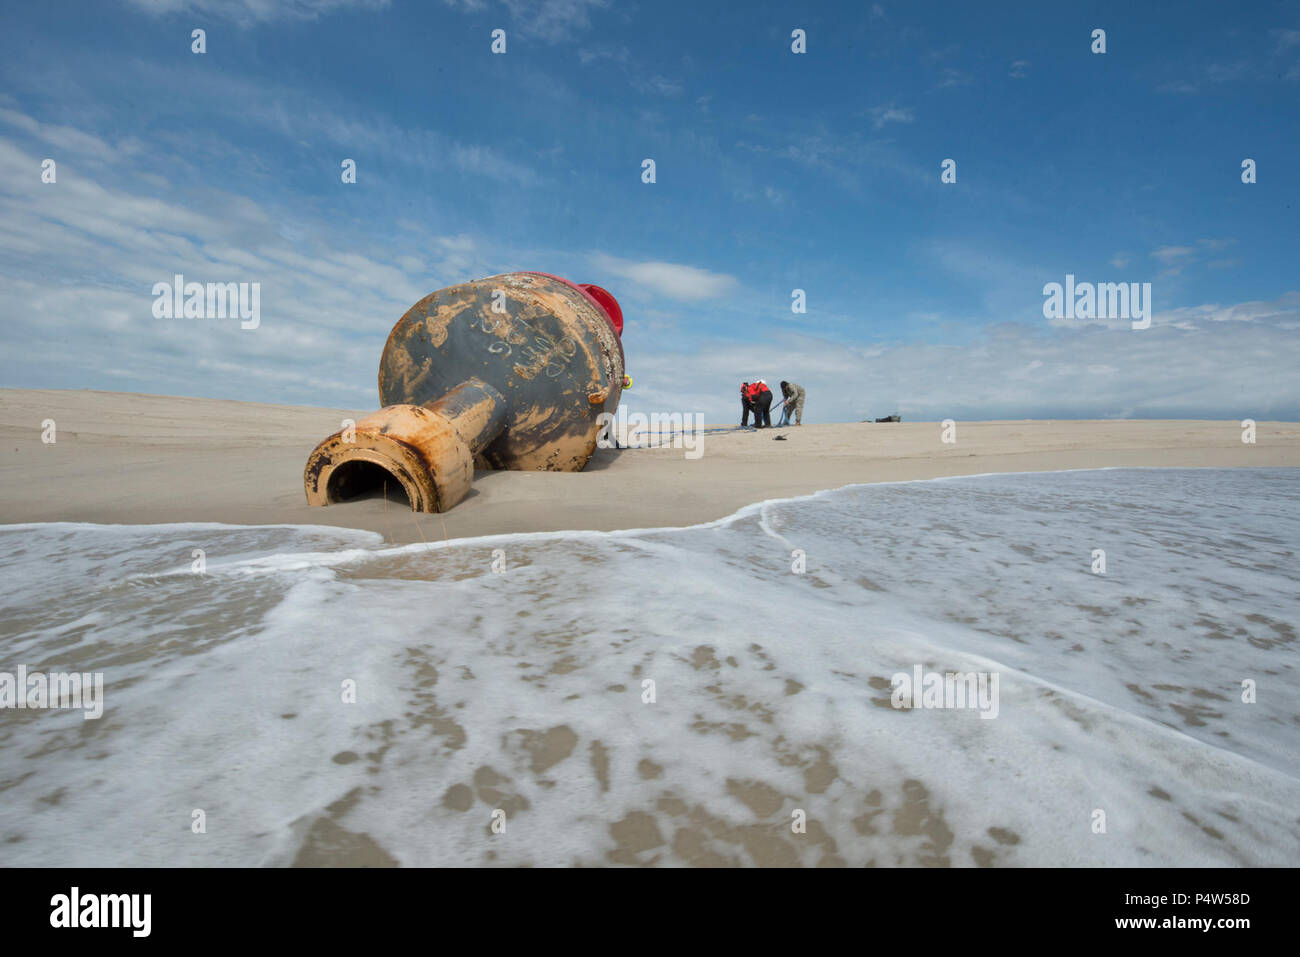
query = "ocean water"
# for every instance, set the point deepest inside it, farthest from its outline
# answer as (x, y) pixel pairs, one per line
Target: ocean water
(503, 717)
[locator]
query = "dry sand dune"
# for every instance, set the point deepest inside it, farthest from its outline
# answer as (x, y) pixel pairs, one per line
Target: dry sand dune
(131, 458)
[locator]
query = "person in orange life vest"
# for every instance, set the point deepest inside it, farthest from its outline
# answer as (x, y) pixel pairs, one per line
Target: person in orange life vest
(751, 393)
(762, 405)
(746, 406)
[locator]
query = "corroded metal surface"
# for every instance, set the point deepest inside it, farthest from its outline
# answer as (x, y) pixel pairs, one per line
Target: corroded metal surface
(540, 341)
(427, 449)
(509, 372)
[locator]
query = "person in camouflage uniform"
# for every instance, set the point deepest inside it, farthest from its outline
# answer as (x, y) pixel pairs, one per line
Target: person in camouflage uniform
(793, 401)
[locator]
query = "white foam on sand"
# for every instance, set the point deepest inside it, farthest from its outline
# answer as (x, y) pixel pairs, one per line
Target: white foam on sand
(521, 691)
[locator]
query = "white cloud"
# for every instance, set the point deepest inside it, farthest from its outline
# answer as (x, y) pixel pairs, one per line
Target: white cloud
(950, 77)
(310, 122)
(1211, 73)
(78, 259)
(668, 279)
(881, 115)
(1285, 40)
(80, 256)
(552, 21)
(486, 161)
(641, 78)
(656, 84)
(749, 192)
(1190, 363)
(1177, 258)
(68, 138)
(592, 53)
(249, 12)
(1170, 255)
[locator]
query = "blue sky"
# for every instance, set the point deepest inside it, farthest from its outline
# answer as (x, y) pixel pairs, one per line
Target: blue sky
(775, 171)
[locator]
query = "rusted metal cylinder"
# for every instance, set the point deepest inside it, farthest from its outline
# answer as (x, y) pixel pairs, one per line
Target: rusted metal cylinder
(509, 372)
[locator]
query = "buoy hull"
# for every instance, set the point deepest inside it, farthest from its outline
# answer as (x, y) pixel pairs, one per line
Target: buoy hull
(542, 342)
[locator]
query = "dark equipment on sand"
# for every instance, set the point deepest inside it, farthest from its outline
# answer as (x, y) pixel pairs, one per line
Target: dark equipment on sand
(509, 372)
(890, 418)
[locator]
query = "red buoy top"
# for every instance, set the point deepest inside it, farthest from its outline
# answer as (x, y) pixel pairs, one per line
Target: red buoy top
(601, 297)
(608, 303)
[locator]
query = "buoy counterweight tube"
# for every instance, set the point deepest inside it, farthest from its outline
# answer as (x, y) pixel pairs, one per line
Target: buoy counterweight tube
(429, 449)
(509, 372)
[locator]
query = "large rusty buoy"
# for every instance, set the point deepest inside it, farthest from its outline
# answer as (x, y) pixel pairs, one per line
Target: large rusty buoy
(508, 372)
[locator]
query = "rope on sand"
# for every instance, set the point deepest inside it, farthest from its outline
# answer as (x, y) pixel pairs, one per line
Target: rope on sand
(672, 435)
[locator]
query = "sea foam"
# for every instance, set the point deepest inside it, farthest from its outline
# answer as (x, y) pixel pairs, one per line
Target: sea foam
(518, 697)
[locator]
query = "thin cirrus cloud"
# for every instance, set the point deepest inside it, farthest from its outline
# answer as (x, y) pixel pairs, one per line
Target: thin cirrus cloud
(924, 298)
(673, 280)
(247, 13)
(1176, 258)
(551, 21)
(1172, 255)
(327, 310)
(89, 249)
(883, 115)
